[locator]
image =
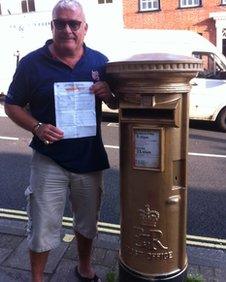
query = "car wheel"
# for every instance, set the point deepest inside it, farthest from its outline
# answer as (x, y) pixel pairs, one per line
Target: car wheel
(221, 119)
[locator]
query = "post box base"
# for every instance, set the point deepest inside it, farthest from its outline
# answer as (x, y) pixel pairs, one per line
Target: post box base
(127, 275)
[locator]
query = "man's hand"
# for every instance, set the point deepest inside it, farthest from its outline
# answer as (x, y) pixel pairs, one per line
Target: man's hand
(49, 133)
(103, 92)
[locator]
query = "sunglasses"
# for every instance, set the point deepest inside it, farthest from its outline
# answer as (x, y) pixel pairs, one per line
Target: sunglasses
(61, 24)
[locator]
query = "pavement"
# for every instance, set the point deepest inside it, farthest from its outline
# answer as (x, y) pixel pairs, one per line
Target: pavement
(206, 256)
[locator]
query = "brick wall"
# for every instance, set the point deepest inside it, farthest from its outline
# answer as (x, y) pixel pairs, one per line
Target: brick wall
(170, 16)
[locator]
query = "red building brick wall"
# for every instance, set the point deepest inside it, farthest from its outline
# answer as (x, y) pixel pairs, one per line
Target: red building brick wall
(171, 16)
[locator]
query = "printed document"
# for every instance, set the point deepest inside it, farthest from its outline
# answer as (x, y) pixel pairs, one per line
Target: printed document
(75, 109)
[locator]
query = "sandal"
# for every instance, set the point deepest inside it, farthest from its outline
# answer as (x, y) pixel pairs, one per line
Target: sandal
(84, 279)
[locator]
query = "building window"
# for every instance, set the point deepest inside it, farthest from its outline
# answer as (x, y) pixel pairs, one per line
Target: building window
(31, 5)
(190, 3)
(223, 2)
(105, 1)
(149, 5)
(27, 6)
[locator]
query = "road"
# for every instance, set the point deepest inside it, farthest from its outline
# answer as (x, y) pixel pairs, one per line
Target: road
(207, 182)
(206, 175)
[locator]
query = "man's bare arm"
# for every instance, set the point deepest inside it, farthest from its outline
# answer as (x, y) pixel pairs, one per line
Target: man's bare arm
(45, 132)
(21, 117)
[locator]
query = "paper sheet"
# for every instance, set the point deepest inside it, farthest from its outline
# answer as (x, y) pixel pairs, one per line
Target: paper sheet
(75, 109)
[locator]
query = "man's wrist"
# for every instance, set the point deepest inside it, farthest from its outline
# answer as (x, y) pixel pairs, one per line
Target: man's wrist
(36, 127)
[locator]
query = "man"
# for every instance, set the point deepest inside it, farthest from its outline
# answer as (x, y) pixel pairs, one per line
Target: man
(59, 163)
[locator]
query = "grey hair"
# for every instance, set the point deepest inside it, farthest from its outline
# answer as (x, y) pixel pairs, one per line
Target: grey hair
(67, 4)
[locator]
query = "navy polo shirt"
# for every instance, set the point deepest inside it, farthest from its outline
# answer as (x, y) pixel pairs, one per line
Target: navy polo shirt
(33, 84)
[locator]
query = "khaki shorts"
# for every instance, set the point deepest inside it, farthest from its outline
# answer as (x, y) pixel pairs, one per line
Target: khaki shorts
(46, 195)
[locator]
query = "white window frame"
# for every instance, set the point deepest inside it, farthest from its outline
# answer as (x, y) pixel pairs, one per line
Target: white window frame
(149, 5)
(190, 3)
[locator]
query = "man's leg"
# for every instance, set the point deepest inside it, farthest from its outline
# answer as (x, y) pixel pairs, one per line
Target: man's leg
(84, 253)
(38, 262)
(46, 197)
(85, 196)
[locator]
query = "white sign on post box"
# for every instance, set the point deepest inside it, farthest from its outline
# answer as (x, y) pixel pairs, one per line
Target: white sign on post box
(147, 148)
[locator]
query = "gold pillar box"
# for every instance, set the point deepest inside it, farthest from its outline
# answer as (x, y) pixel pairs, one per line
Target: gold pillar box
(153, 113)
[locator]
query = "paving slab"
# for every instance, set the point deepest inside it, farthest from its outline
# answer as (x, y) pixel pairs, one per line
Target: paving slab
(220, 274)
(65, 271)
(98, 255)
(13, 275)
(8, 241)
(17, 275)
(111, 259)
(17, 228)
(72, 251)
(4, 253)
(107, 241)
(15, 260)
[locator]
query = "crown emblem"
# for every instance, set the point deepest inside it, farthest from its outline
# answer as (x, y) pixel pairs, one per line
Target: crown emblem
(148, 216)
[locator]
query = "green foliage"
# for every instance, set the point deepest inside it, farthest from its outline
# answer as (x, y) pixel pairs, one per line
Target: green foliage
(111, 277)
(194, 278)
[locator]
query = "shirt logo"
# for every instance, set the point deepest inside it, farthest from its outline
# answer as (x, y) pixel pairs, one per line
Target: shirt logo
(95, 75)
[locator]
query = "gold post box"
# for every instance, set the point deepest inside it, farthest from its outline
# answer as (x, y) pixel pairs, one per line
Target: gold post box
(153, 114)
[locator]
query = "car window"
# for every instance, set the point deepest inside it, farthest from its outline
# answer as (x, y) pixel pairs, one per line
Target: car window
(211, 65)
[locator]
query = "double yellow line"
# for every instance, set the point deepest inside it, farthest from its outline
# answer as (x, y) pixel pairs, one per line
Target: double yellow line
(67, 221)
(207, 242)
(114, 229)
